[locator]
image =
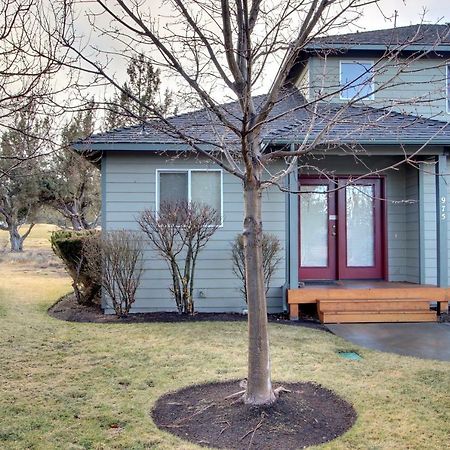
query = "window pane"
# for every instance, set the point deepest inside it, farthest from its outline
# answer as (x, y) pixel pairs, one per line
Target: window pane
(206, 189)
(173, 187)
(360, 226)
(314, 226)
(360, 77)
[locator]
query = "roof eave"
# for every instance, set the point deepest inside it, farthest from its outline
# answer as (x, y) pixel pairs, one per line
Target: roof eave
(157, 147)
(376, 47)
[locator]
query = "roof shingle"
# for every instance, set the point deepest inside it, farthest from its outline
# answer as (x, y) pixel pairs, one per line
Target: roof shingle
(290, 121)
(425, 34)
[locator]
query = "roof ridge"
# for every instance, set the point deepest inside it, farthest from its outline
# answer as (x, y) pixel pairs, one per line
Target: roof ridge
(377, 30)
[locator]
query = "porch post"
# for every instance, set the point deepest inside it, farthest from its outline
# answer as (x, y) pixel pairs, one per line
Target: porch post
(293, 231)
(441, 221)
(421, 225)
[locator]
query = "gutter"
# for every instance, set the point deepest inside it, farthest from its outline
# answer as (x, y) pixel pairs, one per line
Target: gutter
(377, 47)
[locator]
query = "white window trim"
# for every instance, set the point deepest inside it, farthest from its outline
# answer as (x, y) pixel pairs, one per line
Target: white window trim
(356, 61)
(447, 88)
(189, 173)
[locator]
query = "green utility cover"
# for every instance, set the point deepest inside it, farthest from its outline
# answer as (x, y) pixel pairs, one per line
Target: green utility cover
(353, 356)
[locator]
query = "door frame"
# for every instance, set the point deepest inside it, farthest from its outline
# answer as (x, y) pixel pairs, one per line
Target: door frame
(383, 226)
(329, 272)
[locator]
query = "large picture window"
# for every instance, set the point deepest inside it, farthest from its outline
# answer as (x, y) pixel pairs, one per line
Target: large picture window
(191, 185)
(356, 79)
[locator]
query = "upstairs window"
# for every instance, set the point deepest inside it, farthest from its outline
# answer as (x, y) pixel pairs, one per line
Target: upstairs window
(448, 87)
(356, 79)
(190, 185)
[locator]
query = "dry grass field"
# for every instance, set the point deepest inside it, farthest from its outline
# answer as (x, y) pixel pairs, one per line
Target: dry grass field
(91, 386)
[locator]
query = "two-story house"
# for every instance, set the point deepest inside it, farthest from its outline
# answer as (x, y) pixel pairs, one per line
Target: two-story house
(367, 237)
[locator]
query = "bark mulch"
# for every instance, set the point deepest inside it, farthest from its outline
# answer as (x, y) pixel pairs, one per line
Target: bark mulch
(69, 310)
(307, 415)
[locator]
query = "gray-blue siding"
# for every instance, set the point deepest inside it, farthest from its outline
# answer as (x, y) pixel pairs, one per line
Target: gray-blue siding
(129, 188)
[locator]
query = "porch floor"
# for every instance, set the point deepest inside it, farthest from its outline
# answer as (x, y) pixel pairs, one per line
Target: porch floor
(369, 301)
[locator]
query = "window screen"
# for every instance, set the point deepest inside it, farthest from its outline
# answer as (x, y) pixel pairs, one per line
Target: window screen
(173, 187)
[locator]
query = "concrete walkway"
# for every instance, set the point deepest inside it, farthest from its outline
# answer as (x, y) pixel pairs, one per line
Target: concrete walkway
(422, 340)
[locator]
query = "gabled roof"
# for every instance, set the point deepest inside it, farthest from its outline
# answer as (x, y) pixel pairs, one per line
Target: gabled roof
(291, 120)
(425, 34)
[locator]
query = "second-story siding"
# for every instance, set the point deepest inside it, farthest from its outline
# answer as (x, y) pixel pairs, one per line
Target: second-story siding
(417, 88)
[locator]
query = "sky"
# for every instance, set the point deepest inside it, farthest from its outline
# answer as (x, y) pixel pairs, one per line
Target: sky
(407, 12)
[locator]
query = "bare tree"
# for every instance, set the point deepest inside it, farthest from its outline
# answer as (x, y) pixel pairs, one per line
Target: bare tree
(119, 269)
(20, 190)
(223, 50)
(271, 255)
(178, 232)
(71, 183)
(31, 61)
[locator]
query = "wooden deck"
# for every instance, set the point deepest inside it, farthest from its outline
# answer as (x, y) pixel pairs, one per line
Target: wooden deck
(369, 301)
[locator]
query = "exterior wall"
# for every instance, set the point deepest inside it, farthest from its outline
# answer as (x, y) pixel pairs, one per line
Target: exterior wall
(129, 188)
(420, 89)
(303, 82)
(412, 230)
(429, 221)
(401, 208)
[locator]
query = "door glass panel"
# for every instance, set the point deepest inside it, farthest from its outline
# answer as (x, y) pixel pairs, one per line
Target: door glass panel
(314, 226)
(360, 226)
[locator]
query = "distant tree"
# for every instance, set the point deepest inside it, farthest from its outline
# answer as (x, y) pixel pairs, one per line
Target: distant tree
(144, 83)
(72, 183)
(20, 189)
(34, 68)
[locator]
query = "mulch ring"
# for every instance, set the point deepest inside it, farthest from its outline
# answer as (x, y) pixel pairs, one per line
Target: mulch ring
(69, 310)
(307, 415)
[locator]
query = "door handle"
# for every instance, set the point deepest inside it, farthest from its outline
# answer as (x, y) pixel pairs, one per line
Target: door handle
(333, 230)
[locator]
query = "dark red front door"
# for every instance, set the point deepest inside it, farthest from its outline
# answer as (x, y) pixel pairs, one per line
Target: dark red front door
(341, 229)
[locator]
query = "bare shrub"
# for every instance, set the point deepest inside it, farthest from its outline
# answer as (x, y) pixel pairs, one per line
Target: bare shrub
(271, 249)
(120, 267)
(3, 249)
(178, 232)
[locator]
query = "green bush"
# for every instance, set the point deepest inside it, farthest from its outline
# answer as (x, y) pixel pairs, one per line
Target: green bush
(68, 246)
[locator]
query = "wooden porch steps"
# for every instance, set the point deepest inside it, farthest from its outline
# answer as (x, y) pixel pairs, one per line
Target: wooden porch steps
(372, 310)
(416, 304)
(378, 316)
(388, 303)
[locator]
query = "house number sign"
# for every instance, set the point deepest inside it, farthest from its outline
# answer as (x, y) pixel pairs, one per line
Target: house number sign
(443, 208)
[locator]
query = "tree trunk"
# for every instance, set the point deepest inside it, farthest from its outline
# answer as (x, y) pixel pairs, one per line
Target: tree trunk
(15, 239)
(77, 224)
(259, 385)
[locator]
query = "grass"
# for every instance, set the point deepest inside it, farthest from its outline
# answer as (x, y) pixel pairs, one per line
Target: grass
(91, 386)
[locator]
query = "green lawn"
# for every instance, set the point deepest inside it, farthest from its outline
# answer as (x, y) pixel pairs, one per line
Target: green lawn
(88, 386)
